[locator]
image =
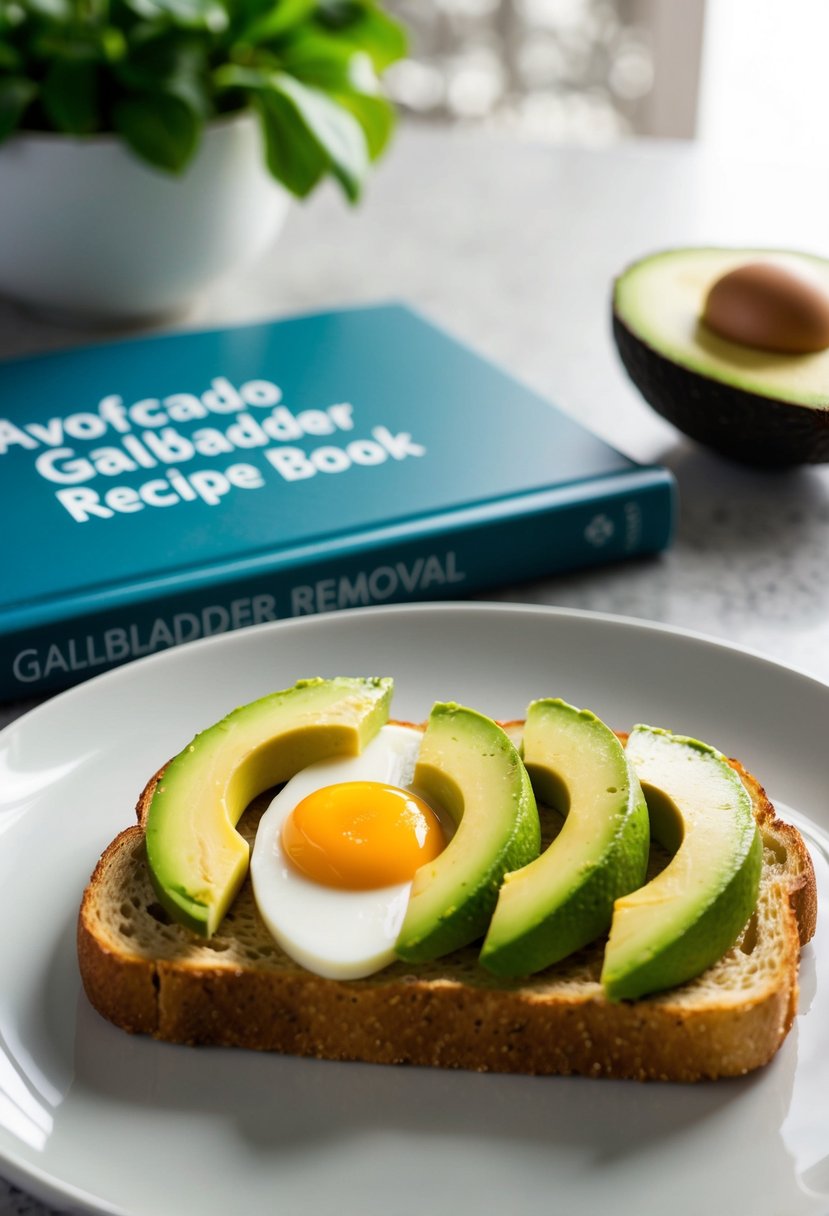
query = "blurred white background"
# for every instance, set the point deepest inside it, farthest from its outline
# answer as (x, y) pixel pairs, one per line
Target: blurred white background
(744, 74)
(763, 86)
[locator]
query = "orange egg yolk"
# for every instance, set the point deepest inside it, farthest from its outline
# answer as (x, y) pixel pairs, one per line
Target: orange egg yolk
(361, 834)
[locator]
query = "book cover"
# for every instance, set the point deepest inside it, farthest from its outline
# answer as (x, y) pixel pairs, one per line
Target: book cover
(163, 489)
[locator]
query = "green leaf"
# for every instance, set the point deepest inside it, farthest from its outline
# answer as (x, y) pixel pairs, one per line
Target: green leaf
(337, 132)
(330, 64)
(69, 95)
(375, 115)
(293, 159)
(384, 39)
(175, 66)
(161, 129)
(209, 15)
(159, 54)
(304, 128)
(276, 20)
(367, 29)
(91, 40)
(339, 13)
(50, 10)
(299, 116)
(16, 93)
(11, 60)
(236, 76)
(68, 44)
(113, 44)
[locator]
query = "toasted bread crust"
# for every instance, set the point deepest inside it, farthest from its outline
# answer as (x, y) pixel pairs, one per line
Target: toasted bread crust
(451, 1014)
(802, 886)
(125, 986)
(451, 1025)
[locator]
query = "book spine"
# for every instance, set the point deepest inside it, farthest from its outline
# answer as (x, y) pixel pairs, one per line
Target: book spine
(493, 545)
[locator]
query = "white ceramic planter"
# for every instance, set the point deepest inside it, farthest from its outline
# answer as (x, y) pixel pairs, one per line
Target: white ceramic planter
(88, 229)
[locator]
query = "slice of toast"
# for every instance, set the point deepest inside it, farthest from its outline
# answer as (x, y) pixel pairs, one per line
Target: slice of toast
(149, 975)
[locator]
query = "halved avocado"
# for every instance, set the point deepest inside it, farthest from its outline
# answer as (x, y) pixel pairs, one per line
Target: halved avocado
(197, 859)
(759, 407)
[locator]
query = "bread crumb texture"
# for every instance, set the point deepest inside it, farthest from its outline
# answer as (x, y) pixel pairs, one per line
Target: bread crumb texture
(150, 975)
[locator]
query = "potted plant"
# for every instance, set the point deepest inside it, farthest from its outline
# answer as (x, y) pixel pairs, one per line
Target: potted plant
(147, 146)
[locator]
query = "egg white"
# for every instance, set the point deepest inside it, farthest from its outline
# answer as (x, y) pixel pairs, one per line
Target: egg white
(336, 933)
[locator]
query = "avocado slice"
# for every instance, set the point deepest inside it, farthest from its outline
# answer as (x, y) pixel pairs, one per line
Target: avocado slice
(759, 407)
(197, 859)
(564, 899)
(468, 766)
(685, 919)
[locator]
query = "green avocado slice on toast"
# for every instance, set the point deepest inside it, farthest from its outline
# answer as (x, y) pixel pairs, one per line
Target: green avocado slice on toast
(564, 899)
(689, 915)
(197, 859)
(468, 766)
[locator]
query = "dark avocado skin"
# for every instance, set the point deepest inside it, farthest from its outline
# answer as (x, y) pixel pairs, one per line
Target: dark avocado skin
(754, 430)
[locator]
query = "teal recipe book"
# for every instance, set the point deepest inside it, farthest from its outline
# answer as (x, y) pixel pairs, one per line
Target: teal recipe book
(163, 489)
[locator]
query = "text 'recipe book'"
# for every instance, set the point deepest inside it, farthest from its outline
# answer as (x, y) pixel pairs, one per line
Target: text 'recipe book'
(162, 489)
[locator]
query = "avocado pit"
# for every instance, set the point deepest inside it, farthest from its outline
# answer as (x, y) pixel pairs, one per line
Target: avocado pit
(770, 306)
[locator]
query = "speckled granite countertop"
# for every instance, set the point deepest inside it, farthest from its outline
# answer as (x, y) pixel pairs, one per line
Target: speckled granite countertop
(513, 248)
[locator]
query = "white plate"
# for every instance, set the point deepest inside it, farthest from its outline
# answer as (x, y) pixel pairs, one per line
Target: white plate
(95, 1119)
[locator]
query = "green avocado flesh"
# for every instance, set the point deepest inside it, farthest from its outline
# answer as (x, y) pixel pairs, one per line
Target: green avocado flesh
(564, 899)
(197, 859)
(686, 918)
(468, 766)
(660, 300)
